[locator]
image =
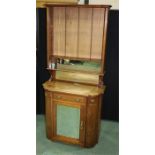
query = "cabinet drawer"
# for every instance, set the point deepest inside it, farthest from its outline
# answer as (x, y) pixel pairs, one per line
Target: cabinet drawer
(70, 98)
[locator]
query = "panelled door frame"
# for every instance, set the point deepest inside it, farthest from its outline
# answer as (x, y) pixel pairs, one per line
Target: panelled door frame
(82, 107)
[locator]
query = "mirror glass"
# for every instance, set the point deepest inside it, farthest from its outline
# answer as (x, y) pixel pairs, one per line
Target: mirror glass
(79, 65)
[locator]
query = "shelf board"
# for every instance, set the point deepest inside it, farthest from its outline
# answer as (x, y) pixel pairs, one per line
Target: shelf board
(77, 71)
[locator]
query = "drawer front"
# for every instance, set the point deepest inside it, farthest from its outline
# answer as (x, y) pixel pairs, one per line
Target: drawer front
(70, 98)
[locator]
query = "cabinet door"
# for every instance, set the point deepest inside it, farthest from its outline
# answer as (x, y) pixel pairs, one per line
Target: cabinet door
(69, 122)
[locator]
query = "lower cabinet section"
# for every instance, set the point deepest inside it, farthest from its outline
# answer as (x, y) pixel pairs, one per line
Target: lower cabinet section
(72, 119)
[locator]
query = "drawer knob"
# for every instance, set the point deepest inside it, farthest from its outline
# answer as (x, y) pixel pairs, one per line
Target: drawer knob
(92, 100)
(77, 100)
(58, 97)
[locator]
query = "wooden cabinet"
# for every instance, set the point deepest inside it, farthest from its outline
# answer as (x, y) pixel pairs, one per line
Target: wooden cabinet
(71, 115)
(76, 41)
(73, 119)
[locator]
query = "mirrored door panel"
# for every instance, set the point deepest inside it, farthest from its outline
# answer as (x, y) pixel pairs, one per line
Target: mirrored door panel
(69, 122)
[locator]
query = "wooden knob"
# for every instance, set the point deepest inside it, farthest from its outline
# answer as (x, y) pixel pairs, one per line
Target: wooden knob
(58, 97)
(77, 100)
(92, 100)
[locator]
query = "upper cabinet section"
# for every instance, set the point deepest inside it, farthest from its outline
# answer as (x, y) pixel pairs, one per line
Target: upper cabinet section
(76, 31)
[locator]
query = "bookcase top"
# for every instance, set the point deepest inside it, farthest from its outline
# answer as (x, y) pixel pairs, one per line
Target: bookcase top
(78, 5)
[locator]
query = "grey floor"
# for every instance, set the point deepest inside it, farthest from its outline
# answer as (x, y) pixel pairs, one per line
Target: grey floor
(108, 141)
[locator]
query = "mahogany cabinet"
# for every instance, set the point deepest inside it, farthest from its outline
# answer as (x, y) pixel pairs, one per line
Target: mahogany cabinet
(71, 115)
(76, 41)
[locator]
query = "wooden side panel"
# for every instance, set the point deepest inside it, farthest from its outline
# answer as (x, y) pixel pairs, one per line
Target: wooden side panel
(49, 33)
(48, 114)
(59, 31)
(104, 38)
(53, 119)
(85, 16)
(92, 122)
(97, 33)
(99, 117)
(71, 31)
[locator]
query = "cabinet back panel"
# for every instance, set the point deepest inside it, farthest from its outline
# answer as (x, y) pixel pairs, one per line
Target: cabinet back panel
(71, 31)
(77, 32)
(85, 26)
(97, 32)
(59, 30)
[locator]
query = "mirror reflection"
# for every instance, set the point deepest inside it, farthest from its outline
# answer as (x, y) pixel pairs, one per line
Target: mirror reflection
(78, 65)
